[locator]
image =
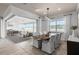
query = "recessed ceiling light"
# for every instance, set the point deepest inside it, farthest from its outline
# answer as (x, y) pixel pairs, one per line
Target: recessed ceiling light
(37, 10)
(59, 9)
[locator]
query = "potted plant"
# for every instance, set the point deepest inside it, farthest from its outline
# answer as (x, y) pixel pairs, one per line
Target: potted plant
(73, 29)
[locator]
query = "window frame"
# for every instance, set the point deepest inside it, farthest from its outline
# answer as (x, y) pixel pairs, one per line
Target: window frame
(56, 20)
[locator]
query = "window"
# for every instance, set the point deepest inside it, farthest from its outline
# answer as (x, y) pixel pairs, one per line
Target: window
(60, 25)
(52, 26)
(30, 27)
(57, 25)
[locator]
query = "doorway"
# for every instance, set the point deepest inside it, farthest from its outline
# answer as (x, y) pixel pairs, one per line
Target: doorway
(19, 29)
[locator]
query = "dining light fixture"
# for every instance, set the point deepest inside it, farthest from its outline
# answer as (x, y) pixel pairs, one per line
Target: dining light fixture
(48, 12)
(44, 12)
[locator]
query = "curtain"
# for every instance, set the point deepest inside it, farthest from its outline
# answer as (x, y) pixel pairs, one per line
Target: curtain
(67, 26)
(78, 25)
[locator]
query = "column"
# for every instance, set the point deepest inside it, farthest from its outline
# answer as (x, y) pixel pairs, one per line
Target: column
(67, 26)
(38, 25)
(45, 25)
(3, 28)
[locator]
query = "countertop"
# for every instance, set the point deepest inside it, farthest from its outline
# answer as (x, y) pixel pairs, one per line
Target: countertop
(73, 39)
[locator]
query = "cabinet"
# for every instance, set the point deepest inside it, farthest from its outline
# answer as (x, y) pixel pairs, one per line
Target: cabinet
(72, 48)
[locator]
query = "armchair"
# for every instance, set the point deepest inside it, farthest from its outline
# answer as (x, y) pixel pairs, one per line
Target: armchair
(48, 45)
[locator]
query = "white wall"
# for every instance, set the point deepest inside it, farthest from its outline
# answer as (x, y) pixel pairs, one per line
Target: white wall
(38, 25)
(44, 26)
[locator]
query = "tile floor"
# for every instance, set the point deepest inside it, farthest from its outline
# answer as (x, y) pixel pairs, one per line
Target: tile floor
(8, 47)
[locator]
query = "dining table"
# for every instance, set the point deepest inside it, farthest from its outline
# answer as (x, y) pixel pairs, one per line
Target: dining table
(44, 37)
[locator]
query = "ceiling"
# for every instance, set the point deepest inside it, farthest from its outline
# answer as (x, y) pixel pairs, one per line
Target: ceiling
(40, 8)
(16, 20)
(37, 8)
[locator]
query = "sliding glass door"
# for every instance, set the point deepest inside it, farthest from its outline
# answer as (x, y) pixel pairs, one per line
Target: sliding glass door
(30, 27)
(52, 25)
(60, 25)
(57, 25)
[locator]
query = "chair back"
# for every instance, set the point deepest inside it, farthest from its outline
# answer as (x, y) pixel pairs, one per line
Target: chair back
(52, 39)
(58, 35)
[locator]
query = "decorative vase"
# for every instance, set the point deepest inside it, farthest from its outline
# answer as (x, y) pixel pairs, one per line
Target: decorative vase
(74, 28)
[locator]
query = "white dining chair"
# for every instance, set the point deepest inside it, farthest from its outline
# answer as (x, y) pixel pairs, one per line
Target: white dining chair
(48, 45)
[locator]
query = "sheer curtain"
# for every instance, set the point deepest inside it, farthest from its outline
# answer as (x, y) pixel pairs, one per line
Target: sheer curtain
(78, 25)
(67, 26)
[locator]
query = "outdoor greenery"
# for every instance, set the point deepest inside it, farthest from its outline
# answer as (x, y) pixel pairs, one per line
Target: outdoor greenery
(58, 26)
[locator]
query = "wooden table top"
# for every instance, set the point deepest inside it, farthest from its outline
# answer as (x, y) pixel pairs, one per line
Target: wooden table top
(41, 37)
